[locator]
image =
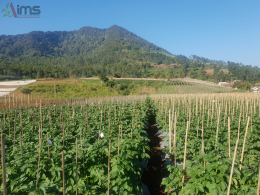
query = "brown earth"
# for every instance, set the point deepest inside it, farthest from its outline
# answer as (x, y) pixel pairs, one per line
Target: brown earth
(164, 66)
(9, 86)
(209, 71)
(58, 81)
(146, 90)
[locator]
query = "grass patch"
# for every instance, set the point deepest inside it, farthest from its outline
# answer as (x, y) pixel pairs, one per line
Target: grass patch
(69, 90)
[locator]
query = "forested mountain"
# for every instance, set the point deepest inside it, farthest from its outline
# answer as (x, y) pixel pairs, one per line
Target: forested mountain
(90, 51)
(87, 51)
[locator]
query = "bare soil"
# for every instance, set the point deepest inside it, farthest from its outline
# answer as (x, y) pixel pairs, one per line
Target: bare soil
(146, 90)
(9, 86)
(164, 66)
(209, 71)
(58, 81)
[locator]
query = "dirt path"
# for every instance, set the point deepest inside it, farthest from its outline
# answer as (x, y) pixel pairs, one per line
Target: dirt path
(154, 174)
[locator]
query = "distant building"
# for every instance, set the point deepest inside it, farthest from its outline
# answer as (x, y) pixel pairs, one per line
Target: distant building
(255, 89)
(227, 84)
(220, 83)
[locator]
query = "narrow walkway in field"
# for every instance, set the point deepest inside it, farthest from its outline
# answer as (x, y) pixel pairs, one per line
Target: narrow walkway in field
(154, 174)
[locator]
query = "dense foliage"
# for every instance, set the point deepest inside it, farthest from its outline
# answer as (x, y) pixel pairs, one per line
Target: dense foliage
(212, 175)
(63, 124)
(92, 51)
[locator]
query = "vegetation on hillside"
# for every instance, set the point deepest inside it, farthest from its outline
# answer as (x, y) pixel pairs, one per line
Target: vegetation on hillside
(114, 51)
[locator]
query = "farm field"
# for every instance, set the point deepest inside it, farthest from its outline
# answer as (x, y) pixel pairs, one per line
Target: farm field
(64, 89)
(176, 87)
(102, 145)
(212, 143)
(68, 147)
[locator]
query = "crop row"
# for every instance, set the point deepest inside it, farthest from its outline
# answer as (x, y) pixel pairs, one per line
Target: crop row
(101, 144)
(211, 132)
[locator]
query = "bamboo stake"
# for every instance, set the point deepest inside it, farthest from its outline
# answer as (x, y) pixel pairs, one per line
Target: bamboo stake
(238, 131)
(202, 139)
(41, 114)
(121, 130)
(231, 173)
(15, 125)
(39, 158)
(100, 127)
(108, 167)
(108, 121)
(21, 144)
(48, 146)
(132, 127)
(21, 122)
(217, 131)
(258, 186)
(174, 139)
(198, 127)
(118, 140)
(170, 132)
(3, 161)
(242, 155)
(63, 174)
(186, 137)
(76, 165)
(229, 137)
(251, 118)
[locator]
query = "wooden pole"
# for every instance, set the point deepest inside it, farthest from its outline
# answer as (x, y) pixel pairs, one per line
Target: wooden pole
(21, 122)
(48, 146)
(217, 129)
(132, 127)
(63, 174)
(118, 140)
(232, 168)
(108, 167)
(100, 127)
(258, 186)
(198, 127)
(21, 144)
(186, 137)
(238, 131)
(15, 125)
(242, 155)
(109, 121)
(39, 158)
(3, 162)
(76, 165)
(170, 132)
(229, 137)
(174, 139)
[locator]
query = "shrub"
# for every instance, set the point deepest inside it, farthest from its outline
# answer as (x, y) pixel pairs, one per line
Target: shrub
(26, 91)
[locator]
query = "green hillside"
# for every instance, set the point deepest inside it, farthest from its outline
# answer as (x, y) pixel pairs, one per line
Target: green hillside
(91, 51)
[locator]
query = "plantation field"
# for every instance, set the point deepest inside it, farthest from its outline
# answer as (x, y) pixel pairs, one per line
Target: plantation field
(186, 88)
(99, 145)
(62, 89)
(213, 143)
(89, 135)
(67, 89)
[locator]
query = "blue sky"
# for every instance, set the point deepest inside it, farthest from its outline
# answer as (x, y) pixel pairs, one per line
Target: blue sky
(215, 29)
